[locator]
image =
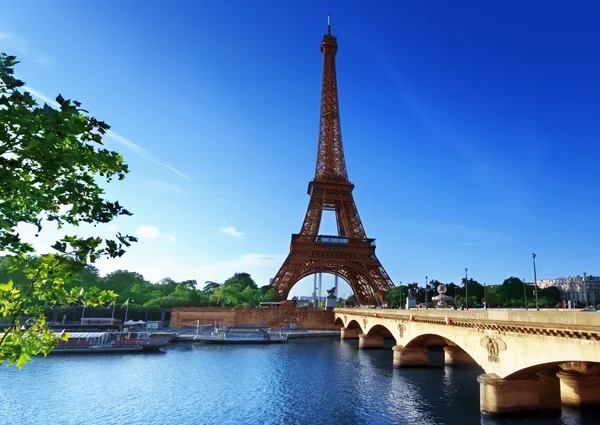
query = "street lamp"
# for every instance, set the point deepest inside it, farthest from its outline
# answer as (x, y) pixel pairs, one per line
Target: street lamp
(525, 294)
(426, 292)
(485, 296)
(466, 290)
(537, 306)
(585, 289)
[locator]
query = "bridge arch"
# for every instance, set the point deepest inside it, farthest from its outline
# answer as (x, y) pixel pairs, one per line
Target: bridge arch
(353, 324)
(551, 368)
(454, 353)
(339, 322)
(531, 360)
(381, 330)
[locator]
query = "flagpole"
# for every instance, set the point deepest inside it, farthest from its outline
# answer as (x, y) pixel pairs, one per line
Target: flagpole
(82, 314)
(126, 310)
(112, 318)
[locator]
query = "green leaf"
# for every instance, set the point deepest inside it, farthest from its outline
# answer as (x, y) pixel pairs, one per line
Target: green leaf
(22, 359)
(6, 286)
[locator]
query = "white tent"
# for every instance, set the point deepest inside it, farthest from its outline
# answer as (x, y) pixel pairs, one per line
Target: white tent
(130, 322)
(140, 322)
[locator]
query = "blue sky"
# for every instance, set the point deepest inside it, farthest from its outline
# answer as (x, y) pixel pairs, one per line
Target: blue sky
(471, 130)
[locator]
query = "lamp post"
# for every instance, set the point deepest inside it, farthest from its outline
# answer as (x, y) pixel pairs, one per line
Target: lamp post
(485, 296)
(585, 289)
(466, 290)
(426, 292)
(537, 306)
(525, 294)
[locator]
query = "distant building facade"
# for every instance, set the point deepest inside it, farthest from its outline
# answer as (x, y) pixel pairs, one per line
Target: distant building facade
(575, 288)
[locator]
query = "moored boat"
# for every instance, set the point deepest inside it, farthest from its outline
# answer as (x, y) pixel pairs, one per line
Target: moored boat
(110, 342)
(242, 335)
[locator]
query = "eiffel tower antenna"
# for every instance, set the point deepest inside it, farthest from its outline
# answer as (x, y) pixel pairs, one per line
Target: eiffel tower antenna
(349, 254)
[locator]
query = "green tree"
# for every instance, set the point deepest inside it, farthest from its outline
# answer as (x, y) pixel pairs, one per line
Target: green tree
(50, 163)
(475, 291)
(551, 295)
(397, 296)
(513, 288)
(238, 290)
(209, 287)
(496, 297)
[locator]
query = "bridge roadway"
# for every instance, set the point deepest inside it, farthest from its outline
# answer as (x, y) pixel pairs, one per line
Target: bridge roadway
(533, 360)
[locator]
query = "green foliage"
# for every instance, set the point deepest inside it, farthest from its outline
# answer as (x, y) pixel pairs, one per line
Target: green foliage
(50, 163)
(550, 295)
(397, 296)
(241, 290)
(509, 294)
(238, 291)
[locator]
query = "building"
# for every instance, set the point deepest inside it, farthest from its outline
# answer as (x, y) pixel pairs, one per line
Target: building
(575, 288)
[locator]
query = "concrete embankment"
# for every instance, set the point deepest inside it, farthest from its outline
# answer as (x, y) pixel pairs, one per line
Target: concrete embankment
(292, 334)
(275, 318)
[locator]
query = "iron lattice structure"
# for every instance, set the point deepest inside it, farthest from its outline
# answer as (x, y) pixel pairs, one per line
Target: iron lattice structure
(350, 254)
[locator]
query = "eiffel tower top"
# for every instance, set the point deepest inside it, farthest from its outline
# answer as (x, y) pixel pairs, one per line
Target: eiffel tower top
(331, 165)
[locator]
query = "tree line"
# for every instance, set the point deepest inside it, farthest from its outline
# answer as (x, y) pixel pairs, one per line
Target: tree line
(240, 290)
(511, 293)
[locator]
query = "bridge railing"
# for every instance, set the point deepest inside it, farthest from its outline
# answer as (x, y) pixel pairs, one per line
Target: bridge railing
(560, 318)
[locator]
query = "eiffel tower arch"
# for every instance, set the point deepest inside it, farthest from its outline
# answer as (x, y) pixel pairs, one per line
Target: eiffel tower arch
(349, 254)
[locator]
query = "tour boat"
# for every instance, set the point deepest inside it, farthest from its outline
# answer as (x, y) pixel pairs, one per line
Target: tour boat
(110, 342)
(242, 335)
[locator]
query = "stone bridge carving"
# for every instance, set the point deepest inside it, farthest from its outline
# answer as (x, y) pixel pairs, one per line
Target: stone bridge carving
(532, 359)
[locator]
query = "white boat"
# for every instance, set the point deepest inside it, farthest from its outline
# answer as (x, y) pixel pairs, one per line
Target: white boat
(242, 335)
(110, 342)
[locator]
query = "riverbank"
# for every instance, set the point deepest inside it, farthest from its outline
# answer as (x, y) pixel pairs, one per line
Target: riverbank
(188, 335)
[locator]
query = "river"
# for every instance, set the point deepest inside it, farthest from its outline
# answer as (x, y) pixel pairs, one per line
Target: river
(304, 382)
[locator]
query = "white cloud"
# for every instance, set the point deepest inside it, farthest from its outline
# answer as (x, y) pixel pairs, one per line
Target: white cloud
(260, 266)
(152, 232)
(112, 227)
(144, 153)
(230, 230)
(148, 232)
(116, 137)
(155, 184)
(42, 96)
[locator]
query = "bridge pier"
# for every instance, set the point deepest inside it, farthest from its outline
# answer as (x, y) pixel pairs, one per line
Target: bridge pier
(370, 341)
(499, 396)
(578, 389)
(456, 355)
(548, 391)
(409, 357)
(350, 333)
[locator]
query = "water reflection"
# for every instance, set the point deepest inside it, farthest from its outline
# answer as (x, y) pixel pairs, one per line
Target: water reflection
(302, 383)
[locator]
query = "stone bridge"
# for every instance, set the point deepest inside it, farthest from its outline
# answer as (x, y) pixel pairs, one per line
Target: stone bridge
(533, 360)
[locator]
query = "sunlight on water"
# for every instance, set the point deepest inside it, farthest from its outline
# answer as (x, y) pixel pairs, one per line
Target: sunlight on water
(301, 383)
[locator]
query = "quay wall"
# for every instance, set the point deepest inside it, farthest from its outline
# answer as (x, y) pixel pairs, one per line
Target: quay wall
(272, 317)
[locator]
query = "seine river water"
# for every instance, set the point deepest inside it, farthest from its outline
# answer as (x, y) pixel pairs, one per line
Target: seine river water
(304, 382)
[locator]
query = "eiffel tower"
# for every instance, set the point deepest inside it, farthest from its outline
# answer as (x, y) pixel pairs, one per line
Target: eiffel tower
(349, 254)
